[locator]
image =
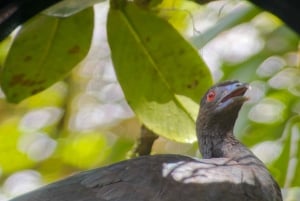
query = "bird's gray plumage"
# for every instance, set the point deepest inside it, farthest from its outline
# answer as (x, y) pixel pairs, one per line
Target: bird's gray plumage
(164, 178)
(229, 171)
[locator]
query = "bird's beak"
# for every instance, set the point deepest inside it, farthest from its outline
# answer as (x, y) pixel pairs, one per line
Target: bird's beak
(233, 95)
(236, 90)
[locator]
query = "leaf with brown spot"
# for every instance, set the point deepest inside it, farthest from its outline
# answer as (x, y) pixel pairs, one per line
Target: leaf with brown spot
(27, 58)
(45, 50)
(74, 50)
(162, 75)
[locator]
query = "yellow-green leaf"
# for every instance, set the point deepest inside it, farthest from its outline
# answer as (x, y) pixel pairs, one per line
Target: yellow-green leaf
(161, 74)
(44, 51)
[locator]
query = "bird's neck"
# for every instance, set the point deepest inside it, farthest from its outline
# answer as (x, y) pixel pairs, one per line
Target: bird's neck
(215, 144)
(216, 140)
(225, 145)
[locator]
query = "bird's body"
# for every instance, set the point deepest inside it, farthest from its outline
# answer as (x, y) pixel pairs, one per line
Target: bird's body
(229, 171)
(164, 178)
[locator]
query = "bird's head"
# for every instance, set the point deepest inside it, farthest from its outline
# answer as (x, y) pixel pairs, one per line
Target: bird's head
(221, 104)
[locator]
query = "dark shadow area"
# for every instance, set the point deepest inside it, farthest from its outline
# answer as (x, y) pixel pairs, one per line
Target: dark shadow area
(15, 12)
(287, 11)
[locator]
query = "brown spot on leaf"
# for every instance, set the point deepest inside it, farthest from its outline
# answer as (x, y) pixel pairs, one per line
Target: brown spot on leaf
(147, 39)
(74, 50)
(16, 78)
(37, 90)
(181, 51)
(193, 84)
(20, 79)
(27, 58)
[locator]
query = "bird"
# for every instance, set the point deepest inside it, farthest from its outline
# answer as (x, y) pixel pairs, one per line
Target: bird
(228, 170)
(15, 12)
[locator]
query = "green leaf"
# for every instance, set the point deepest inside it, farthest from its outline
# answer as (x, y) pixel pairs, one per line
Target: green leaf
(161, 74)
(44, 51)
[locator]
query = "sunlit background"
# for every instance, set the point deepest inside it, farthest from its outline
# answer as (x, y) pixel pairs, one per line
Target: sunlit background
(84, 121)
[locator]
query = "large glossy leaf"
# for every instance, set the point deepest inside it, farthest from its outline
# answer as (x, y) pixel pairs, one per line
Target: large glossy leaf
(161, 74)
(44, 51)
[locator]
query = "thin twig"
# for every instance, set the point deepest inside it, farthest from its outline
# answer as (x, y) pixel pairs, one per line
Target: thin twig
(144, 143)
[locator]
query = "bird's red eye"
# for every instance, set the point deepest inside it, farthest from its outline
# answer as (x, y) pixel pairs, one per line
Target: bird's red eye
(210, 96)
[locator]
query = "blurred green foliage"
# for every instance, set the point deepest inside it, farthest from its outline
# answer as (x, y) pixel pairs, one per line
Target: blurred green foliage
(83, 121)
